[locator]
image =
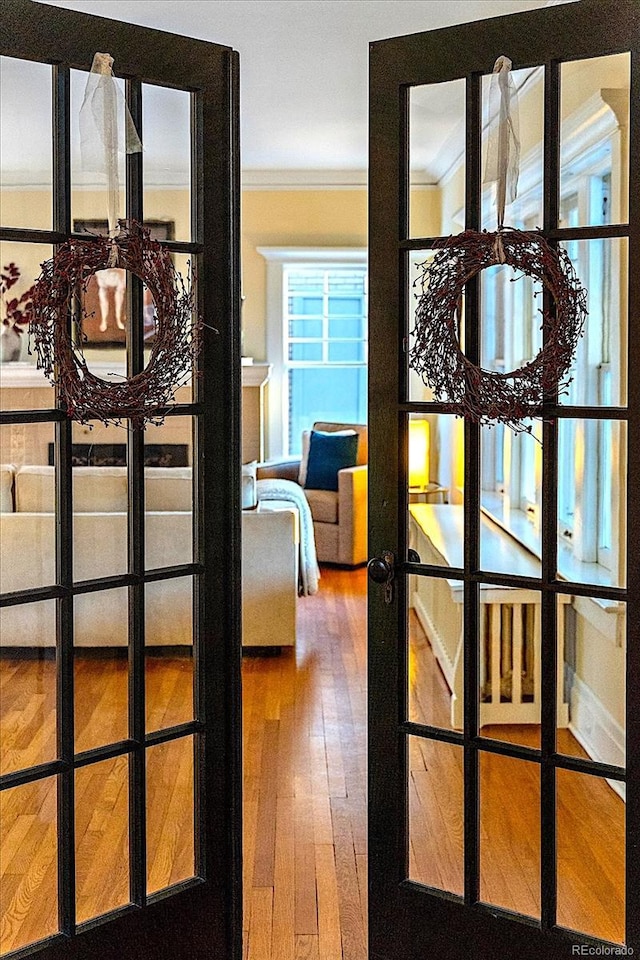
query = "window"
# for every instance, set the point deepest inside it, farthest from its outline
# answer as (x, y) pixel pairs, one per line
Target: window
(316, 341)
(587, 450)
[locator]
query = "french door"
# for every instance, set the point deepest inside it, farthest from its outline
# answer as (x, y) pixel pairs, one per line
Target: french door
(505, 641)
(120, 781)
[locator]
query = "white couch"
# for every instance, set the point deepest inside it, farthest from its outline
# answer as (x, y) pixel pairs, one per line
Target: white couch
(27, 543)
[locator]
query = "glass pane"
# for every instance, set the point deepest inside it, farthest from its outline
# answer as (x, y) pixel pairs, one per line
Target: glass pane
(346, 352)
(345, 306)
(591, 855)
(101, 671)
(305, 328)
(88, 188)
(169, 493)
(592, 501)
(594, 138)
(348, 327)
(511, 313)
(347, 283)
(306, 282)
(29, 876)
(435, 680)
(510, 833)
(599, 370)
(436, 154)
(511, 498)
(436, 814)
(102, 837)
(27, 544)
(100, 528)
(332, 395)
(170, 813)
(509, 664)
(184, 266)
(27, 685)
(510, 528)
(166, 136)
(592, 658)
(26, 165)
(169, 652)
(435, 467)
(302, 305)
(22, 386)
(168, 445)
(305, 351)
(418, 282)
(526, 211)
(105, 321)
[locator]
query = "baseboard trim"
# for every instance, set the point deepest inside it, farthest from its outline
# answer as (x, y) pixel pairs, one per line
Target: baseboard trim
(437, 644)
(595, 729)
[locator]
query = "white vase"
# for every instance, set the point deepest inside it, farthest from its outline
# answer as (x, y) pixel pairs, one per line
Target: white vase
(10, 344)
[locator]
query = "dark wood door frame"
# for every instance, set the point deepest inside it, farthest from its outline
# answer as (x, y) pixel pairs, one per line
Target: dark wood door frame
(202, 917)
(405, 919)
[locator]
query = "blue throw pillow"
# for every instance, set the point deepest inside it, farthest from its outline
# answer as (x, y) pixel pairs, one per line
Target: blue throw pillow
(328, 453)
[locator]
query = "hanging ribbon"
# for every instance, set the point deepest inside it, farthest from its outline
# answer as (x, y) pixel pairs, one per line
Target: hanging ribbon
(101, 135)
(503, 149)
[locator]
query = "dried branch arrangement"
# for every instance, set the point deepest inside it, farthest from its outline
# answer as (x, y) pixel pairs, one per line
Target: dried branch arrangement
(485, 396)
(57, 338)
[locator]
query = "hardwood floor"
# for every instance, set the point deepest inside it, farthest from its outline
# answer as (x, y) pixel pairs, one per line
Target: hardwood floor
(305, 848)
(590, 817)
(305, 780)
(305, 811)
(28, 830)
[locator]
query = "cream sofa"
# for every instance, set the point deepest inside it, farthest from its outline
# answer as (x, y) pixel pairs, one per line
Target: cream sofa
(27, 559)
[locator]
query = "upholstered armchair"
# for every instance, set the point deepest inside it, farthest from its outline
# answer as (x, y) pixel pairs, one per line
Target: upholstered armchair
(340, 516)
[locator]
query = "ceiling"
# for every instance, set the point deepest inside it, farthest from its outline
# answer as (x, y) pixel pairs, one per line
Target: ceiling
(303, 66)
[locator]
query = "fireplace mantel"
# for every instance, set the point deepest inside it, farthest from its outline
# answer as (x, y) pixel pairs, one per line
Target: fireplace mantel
(24, 387)
(26, 376)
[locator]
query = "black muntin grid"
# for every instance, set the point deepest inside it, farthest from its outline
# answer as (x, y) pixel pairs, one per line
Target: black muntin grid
(209, 73)
(397, 65)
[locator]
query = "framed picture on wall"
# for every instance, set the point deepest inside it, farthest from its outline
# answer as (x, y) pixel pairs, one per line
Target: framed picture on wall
(105, 302)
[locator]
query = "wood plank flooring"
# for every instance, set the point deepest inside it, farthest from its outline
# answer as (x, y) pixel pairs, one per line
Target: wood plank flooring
(302, 899)
(305, 853)
(305, 780)
(590, 817)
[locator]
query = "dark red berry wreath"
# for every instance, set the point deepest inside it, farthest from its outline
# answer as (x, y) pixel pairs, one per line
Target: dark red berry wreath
(466, 389)
(57, 338)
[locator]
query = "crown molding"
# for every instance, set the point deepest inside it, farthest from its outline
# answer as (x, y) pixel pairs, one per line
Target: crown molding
(313, 254)
(299, 179)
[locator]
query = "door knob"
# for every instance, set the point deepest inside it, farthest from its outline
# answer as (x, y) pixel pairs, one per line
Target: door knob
(380, 569)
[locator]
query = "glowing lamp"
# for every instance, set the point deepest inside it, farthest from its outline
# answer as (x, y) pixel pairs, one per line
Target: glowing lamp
(418, 454)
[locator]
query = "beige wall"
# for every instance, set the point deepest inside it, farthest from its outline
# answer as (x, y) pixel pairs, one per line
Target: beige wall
(303, 218)
(291, 218)
(286, 218)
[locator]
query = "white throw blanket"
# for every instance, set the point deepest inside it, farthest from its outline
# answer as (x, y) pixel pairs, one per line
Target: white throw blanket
(277, 489)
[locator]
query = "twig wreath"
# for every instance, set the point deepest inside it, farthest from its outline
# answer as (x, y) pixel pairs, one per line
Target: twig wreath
(485, 396)
(58, 313)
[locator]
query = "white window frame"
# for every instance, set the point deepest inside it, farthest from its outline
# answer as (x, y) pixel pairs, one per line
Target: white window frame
(591, 147)
(279, 258)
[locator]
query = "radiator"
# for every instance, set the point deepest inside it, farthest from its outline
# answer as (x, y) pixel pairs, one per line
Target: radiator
(509, 652)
